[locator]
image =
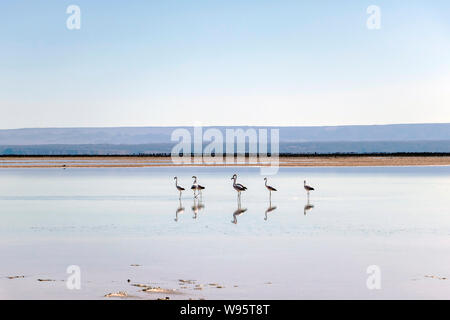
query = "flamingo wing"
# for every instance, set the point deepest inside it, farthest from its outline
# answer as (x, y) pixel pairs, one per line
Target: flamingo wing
(240, 186)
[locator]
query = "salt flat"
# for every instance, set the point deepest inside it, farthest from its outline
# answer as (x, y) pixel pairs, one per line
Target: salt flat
(120, 224)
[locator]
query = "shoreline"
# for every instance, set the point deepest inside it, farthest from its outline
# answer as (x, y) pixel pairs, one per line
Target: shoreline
(9, 162)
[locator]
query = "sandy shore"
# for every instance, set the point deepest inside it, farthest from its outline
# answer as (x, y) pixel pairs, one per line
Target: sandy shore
(299, 161)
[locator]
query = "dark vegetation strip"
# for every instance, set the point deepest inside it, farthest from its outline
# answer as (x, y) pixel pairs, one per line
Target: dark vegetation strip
(281, 155)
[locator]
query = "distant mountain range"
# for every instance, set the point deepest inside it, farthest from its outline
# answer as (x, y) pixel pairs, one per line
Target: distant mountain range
(135, 140)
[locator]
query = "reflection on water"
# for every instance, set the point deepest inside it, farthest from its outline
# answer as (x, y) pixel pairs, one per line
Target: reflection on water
(308, 207)
(269, 210)
(360, 216)
(197, 206)
(237, 213)
(141, 201)
(239, 210)
(180, 210)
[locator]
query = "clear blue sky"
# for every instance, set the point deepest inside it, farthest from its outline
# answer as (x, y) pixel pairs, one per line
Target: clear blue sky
(233, 62)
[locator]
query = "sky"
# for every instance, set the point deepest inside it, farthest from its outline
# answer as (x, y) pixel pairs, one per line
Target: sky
(233, 62)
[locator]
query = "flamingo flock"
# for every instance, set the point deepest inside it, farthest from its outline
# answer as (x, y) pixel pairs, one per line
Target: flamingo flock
(197, 188)
(198, 205)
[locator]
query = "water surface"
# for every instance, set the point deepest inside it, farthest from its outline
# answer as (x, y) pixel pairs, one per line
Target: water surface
(107, 219)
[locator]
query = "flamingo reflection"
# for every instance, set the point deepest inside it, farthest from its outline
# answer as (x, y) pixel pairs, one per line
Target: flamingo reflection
(308, 207)
(180, 210)
(269, 210)
(197, 206)
(238, 211)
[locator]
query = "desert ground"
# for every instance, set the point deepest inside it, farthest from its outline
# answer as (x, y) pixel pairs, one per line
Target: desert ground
(165, 161)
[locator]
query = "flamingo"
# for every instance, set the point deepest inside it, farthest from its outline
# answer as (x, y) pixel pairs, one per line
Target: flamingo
(196, 187)
(270, 188)
(179, 188)
(307, 188)
(237, 186)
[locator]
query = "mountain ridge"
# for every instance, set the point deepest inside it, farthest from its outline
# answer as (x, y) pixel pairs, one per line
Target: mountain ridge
(159, 134)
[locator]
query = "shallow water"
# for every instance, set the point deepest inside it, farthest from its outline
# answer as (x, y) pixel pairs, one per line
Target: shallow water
(106, 220)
